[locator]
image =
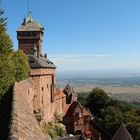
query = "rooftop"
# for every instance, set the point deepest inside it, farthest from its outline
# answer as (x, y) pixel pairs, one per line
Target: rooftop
(59, 94)
(40, 62)
(29, 24)
(122, 134)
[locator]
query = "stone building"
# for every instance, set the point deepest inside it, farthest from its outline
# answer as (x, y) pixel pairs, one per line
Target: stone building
(70, 94)
(45, 97)
(79, 121)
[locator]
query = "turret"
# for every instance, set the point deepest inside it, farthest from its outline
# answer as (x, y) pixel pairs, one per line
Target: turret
(30, 34)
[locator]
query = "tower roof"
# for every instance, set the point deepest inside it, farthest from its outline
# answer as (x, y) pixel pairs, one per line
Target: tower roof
(122, 134)
(29, 24)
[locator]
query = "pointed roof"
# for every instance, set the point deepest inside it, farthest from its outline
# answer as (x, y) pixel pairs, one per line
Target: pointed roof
(68, 90)
(29, 24)
(73, 107)
(122, 134)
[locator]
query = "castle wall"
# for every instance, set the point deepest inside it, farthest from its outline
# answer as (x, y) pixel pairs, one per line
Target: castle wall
(24, 125)
(60, 102)
(44, 80)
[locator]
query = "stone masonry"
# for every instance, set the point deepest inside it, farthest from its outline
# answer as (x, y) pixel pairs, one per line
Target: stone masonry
(43, 102)
(24, 125)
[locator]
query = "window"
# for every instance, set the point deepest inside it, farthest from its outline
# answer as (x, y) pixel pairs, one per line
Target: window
(52, 93)
(42, 89)
(47, 86)
(32, 61)
(42, 100)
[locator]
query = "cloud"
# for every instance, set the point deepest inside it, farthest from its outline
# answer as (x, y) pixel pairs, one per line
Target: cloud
(76, 56)
(76, 61)
(93, 61)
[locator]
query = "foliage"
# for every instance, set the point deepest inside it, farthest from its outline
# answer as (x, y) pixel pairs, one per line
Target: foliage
(110, 113)
(59, 130)
(21, 65)
(81, 97)
(57, 117)
(2, 20)
(6, 64)
(13, 65)
(54, 129)
(6, 74)
(110, 118)
(97, 100)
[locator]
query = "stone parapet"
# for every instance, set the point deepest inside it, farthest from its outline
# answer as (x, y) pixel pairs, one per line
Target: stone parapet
(24, 125)
(43, 71)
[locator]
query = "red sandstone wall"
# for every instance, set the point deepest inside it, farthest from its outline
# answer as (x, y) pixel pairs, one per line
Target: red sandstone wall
(24, 125)
(42, 71)
(44, 81)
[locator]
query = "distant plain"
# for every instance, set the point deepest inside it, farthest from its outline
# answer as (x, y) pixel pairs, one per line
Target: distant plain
(122, 86)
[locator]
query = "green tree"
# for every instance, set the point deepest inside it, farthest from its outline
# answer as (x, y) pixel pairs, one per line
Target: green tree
(81, 97)
(109, 113)
(6, 55)
(132, 121)
(110, 119)
(55, 130)
(13, 65)
(21, 65)
(97, 100)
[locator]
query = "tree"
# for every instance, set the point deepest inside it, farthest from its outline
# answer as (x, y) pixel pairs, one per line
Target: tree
(97, 100)
(110, 119)
(132, 121)
(2, 19)
(21, 65)
(13, 65)
(6, 54)
(81, 97)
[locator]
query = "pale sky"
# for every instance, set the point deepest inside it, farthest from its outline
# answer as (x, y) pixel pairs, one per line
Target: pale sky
(83, 34)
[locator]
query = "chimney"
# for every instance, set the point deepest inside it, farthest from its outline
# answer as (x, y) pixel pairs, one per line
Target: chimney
(45, 55)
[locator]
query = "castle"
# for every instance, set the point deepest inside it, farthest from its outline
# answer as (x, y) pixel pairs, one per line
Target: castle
(46, 99)
(40, 94)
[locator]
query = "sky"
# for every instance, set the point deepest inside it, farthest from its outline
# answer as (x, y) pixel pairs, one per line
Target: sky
(83, 35)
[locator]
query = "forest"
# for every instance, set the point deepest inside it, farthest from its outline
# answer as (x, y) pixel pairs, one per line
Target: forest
(110, 113)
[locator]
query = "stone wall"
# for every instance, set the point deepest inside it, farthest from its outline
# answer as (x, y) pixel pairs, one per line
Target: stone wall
(44, 82)
(24, 125)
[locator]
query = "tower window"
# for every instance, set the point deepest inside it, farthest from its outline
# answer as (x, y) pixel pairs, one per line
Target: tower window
(42, 89)
(52, 93)
(42, 100)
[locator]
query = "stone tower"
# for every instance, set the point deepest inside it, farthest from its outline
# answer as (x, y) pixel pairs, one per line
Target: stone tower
(42, 73)
(29, 36)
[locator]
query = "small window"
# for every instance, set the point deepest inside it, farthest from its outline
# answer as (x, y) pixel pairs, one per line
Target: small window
(32, 61)
(42, 100)
(42, 89)
(52, 93)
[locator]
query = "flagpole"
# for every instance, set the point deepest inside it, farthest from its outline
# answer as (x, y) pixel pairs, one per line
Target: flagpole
(28, 8)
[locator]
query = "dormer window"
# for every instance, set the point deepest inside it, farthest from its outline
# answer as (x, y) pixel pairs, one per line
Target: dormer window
(32, 61)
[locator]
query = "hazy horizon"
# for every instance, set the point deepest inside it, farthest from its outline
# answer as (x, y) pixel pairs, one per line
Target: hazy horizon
(100, 73)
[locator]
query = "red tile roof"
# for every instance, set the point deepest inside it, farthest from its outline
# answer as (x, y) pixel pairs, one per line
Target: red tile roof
(59, 94)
